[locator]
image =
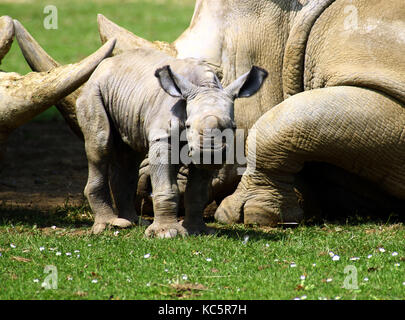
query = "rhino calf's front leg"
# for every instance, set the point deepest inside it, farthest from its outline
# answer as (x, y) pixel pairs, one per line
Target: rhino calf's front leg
(165, 193)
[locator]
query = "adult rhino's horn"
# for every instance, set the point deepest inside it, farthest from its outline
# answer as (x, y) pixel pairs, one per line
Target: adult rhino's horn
(33, 53)
(36, 91)
(39, 60)
(126, 40)
(6, 35)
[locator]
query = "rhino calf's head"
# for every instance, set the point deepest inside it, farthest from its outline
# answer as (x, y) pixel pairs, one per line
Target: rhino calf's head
(210, 112)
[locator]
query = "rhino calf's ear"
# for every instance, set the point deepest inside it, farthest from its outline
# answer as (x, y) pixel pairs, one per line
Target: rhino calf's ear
(174, 84)
(247, 84)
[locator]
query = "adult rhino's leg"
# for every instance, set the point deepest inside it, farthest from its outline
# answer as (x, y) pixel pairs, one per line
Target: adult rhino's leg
(264, 198)
(97, 134)
(358, 130)
(123, 181)
(165, 192)
(196, 197)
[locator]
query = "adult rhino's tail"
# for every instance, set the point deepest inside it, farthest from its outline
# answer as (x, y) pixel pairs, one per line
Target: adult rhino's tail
(365, 56)
(294, 54)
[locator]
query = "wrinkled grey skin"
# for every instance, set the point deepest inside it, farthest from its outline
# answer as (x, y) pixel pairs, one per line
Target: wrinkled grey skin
(129, 107)
(231, 36)
(24, 97)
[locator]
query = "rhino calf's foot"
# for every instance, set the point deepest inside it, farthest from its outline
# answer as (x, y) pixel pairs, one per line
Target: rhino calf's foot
(165, 230)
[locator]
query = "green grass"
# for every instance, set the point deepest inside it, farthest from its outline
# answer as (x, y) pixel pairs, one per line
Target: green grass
(222, 266)
(77, 34)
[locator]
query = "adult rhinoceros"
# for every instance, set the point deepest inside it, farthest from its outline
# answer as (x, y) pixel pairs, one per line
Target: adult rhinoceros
(305, 45)
(24, 97)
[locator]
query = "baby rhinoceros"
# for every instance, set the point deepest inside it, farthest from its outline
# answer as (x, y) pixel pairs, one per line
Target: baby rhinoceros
(128, 109)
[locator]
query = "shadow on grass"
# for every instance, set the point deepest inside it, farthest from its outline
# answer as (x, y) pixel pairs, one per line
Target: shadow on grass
(81, 217)
(251, 234)
(258, 233)
(66, 216)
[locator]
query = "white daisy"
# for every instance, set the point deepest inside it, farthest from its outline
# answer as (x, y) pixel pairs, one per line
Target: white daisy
(245, 240)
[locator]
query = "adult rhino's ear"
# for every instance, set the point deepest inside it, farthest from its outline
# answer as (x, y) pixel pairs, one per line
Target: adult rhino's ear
(247, 84)
(174, 84)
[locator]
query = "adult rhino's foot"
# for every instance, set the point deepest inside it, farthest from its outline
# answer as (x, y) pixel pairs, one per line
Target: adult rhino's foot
(265, 214)
(230, 210)
(165, 230)
(198, 228)
(260, 213)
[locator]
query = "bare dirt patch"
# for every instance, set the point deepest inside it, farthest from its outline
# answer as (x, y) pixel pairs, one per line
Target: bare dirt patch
(45, 167)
